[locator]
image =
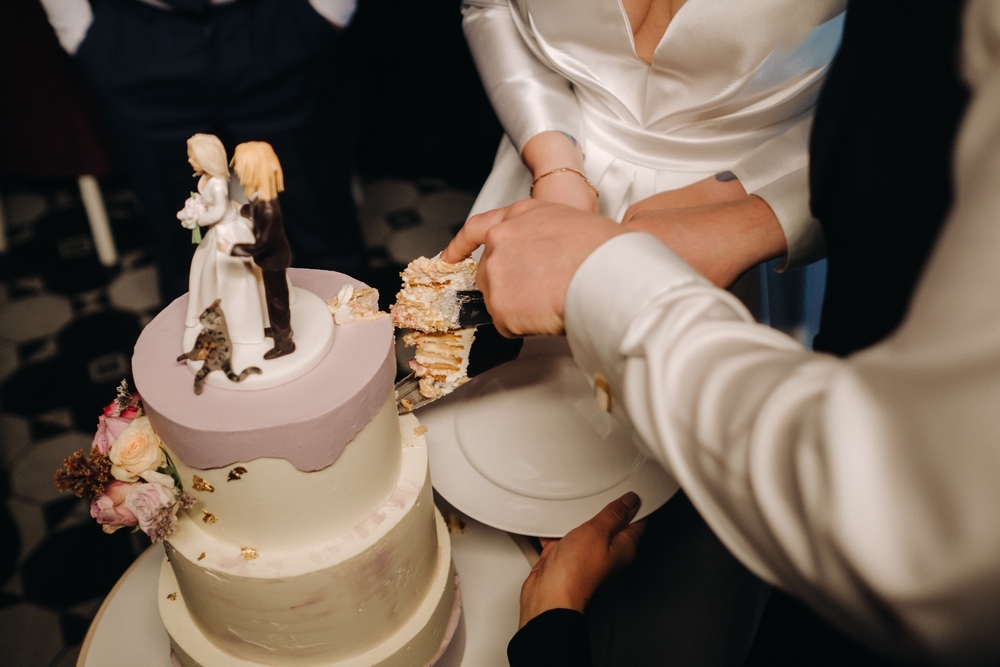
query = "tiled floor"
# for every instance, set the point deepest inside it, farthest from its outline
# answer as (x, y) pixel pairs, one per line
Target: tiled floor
(67, 327)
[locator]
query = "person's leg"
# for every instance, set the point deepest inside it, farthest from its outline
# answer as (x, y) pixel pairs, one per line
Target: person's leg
(279, 313)
(147, 69)
(283, 66)
(684, 601)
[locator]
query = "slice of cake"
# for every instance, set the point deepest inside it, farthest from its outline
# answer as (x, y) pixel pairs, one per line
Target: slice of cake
(429, 304)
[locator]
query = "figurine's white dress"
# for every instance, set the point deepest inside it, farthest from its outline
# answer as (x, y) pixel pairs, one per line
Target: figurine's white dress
(216, 274)
(731, 86)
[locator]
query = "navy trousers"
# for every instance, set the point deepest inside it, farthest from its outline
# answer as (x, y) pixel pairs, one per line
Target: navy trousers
(251, 70)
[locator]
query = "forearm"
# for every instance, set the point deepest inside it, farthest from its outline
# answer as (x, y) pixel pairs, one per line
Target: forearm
(722, 240)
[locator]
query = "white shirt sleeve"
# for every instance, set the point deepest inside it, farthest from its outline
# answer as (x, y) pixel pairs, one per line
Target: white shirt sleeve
(70, 19)
(868, 486)
(335, 11)
(528, 96)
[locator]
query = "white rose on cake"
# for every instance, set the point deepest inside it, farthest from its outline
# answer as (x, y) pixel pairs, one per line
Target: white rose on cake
(136, 451)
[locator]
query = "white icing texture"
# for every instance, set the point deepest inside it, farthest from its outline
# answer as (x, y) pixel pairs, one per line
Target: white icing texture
(380, 593)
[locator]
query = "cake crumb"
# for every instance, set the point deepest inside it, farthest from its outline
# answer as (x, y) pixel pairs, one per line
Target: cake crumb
(248, 553)
(172, 596)
(407, 404)
(201, 556)
(420, 430)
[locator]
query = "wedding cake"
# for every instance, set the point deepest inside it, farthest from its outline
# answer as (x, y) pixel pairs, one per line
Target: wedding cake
(312, 538)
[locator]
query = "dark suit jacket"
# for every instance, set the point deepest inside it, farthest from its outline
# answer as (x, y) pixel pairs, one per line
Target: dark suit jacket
(271, 251)
(880, 180)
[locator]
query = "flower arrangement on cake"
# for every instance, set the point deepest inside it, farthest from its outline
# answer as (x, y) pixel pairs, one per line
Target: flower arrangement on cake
(127, 474)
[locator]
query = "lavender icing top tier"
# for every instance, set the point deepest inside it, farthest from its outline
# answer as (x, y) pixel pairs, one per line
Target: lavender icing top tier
(308, 421)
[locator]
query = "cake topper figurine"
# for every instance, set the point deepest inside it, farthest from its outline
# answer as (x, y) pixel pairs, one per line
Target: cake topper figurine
(215, 273)
(259, 172)
(214, 347)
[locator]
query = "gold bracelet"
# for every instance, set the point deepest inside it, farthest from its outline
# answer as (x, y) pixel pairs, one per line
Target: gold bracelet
(556, 171)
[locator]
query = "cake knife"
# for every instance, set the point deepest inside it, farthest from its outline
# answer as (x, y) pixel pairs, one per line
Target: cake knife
(489, 349)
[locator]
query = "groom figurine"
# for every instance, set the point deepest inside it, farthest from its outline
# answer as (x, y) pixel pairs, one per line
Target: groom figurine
(259, 171)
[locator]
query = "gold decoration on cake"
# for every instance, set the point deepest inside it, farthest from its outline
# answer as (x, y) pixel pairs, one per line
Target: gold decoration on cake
(420, 430)
(201, 485)
(172, 596)
(248, 553)
(407, 404)
(209, 517)
(602, 393)
(201, 556)
(236, 473)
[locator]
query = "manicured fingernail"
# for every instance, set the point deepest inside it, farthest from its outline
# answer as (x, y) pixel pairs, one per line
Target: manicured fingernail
(631, 500)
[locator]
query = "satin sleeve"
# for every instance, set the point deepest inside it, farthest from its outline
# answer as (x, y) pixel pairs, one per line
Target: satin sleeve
(528, 96)
(216, 195)
(778, 172)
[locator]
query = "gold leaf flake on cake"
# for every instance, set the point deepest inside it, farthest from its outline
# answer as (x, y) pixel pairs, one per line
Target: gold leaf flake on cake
(201, 556)
(172, 596)
(248, 553)
(209, 517)
(420, 430)
(201, 485)
(236, 473)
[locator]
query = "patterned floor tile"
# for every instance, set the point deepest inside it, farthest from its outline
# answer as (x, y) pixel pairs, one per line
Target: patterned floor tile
(34, 317)
(30, 636)
(446, 209)
(15, 433)
(389, 195)
(30, 522)
(135, 291)
(23, 208)
(8, 360)
(31, 476)
(411, 243)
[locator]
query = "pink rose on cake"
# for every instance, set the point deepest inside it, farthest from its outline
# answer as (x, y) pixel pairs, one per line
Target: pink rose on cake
(109, 508)
(155, 507)
(135, 451)
(118, 414)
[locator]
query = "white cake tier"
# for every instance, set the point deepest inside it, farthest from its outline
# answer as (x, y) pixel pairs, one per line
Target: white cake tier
(275, 507)
(379, 593)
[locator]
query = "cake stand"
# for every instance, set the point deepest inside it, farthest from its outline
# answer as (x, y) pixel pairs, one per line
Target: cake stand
(491, 565)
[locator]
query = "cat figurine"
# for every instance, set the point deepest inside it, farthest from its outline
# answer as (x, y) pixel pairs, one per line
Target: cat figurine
(214, 348)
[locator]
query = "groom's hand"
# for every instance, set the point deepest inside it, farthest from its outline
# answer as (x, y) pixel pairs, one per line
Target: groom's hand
(533, 249)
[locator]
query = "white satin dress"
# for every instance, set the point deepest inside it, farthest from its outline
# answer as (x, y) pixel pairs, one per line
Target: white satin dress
(732, 86)
(218, 275)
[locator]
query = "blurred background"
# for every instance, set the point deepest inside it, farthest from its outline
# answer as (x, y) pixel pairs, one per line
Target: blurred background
(79, 272)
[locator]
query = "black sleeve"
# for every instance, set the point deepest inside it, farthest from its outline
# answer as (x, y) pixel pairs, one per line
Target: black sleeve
(557, 637)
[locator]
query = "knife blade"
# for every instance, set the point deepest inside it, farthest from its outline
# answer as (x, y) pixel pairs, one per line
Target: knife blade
(489, 349)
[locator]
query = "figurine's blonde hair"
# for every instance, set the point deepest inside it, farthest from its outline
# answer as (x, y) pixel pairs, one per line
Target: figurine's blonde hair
(208, 150)
(258, 169)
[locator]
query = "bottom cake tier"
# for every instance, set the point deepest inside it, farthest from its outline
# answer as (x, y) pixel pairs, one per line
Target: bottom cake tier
(384, 593)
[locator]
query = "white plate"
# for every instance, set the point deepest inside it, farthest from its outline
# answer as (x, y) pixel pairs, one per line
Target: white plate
(524, 448)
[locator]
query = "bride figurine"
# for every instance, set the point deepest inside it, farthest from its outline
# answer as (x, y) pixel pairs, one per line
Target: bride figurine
(215, 274)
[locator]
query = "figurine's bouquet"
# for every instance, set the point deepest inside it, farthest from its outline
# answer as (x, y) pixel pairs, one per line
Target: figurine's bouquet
(127, 474)
(193, 207)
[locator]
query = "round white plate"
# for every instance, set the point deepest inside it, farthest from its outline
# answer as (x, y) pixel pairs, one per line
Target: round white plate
(525, 448)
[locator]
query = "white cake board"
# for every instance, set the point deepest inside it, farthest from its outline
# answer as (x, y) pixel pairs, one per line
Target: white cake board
(127, 630)
(313, 331)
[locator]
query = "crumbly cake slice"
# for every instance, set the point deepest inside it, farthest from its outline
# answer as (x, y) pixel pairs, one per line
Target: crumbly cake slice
(429, 299)
(429, 304)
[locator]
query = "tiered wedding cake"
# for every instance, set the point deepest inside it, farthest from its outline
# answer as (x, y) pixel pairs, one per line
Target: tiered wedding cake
(314, 539)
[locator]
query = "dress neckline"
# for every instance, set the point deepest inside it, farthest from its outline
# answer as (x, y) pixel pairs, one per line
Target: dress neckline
(663, 37)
